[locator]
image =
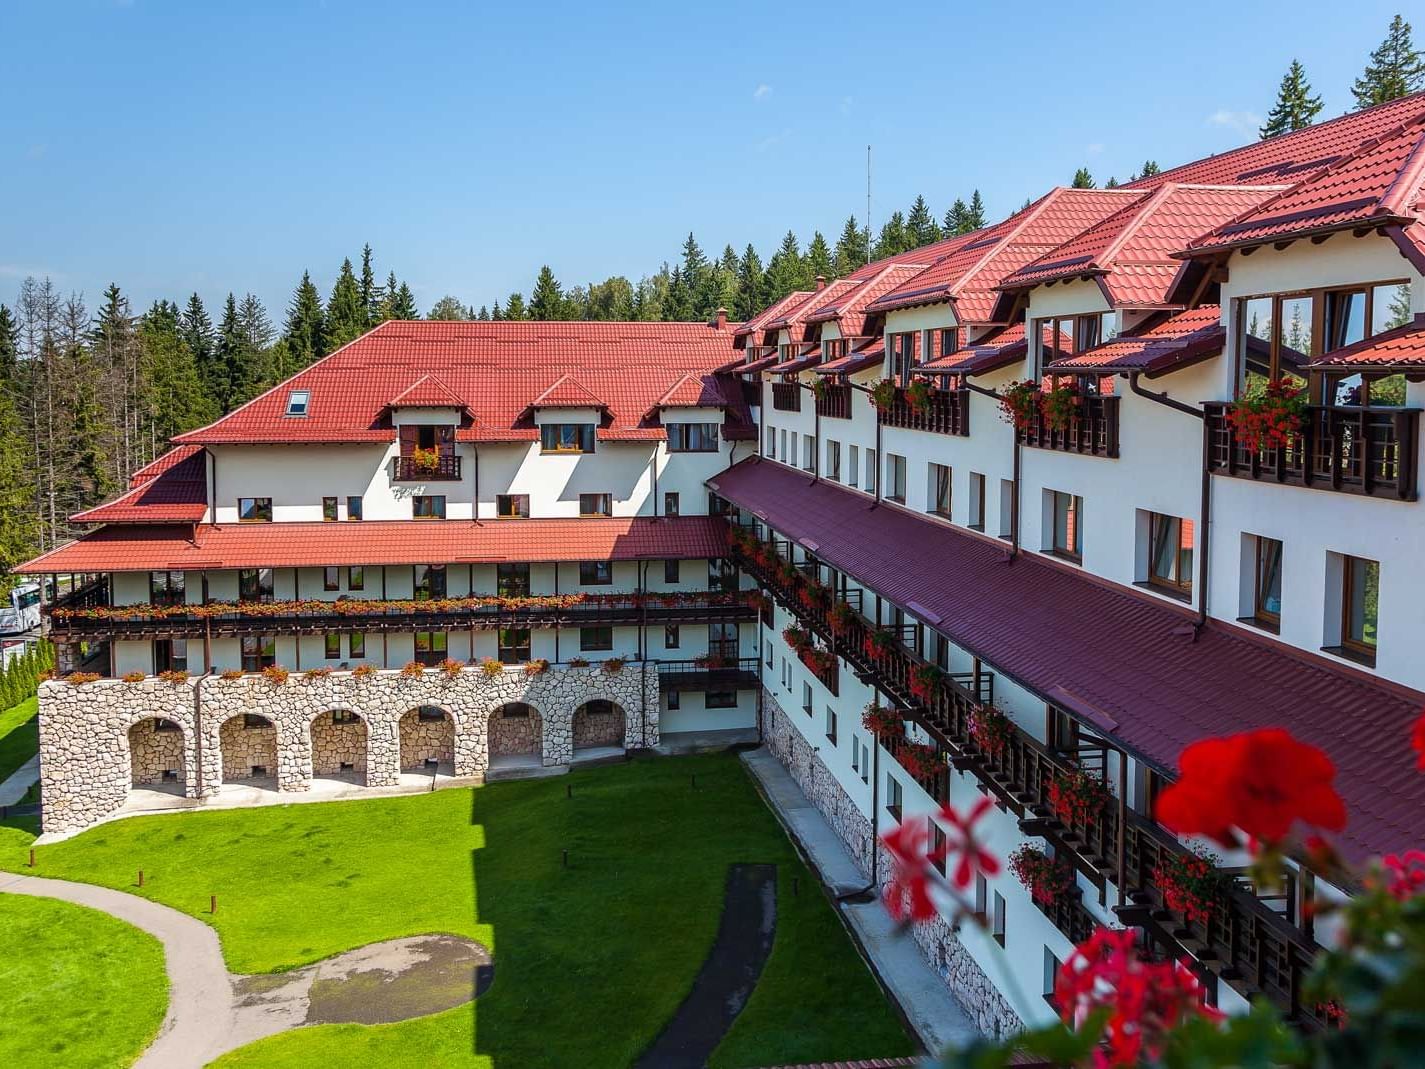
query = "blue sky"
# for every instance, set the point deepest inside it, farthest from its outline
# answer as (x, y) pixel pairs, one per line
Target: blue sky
(178, 146)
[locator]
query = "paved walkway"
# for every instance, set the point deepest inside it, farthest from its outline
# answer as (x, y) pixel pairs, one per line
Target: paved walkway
(18, 782)
(937, 1017)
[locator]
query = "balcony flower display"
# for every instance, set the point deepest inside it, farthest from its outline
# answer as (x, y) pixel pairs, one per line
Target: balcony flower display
(712, 660)
(1019, 403)
(798, 638)
(1268, 418)
(425, 461)
(412, 670)
(1190, 884)
(820, 388)
(230, 674)
(883, 395)
(840, 617)
(614, 665)
(1076, 797)
(814, 596)
(920, 759)
(820, 661)
(578, 662)
(451, 667)
(78, 679)
(320, 672)
(757, 600)
(878, 643)
(919, 395)
(1046, 878)
(364, 671)
(174, 675)
(492, 668)
(132, 677)
(1060, 404)
(991, 730)
(882, 722)
(536, 667)
(925, 681)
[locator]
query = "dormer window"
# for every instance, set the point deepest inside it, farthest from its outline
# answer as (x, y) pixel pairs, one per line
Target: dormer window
(567, 438)
(298, 401)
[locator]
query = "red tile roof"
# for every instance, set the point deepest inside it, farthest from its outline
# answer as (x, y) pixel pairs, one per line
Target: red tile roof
(849, 312)
(495, 369)
(1379, 183)
(1135, 670)
(567, 392)
(1402, 348)
(1132, 249)
(771, 312)
(426, 392)
(872, 354)
(172, 489)
(693, 391)
(1002, 349)
(294, 545)
(1172, 343)
(809, 358)
(828, 294)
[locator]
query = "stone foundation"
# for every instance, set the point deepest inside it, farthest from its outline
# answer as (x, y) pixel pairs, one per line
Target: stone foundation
(426, 740)
(87, 765)
(155, 755)
(597, 729)
(512, 736)
(936, 938)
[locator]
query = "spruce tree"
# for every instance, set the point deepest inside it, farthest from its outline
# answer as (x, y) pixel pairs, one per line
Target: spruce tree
(850, 247)
(514, 307)
(304, 332)
(1295, 107)
(175, 396)
(346, 314)
(197, 331)
(483, 316)
(786, 271)
(1395, 70)
(975, 214)
(751, 285)
(1082, 179)
(232, 353)
(921, 225)
(9, 345)
(249, 370)
(894, 238)
(496, 312)
(1150, 168)
(818, 258)
(546, 301)
(370, 291)
(403, 304)
(955, 217)
(1112, 183)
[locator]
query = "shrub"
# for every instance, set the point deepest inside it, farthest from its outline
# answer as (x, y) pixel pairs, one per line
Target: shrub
(275, 674)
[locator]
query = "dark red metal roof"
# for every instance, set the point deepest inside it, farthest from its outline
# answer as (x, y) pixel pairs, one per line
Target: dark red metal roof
(1402, 348)
(1175, 342)
(1123, 659)
(172, 489)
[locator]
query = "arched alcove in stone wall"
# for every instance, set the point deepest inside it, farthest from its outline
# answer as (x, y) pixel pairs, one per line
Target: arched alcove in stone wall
(427, 733)
(247, 744)
(158, 757)
(339, 744)
(599, 722)
(516, 729)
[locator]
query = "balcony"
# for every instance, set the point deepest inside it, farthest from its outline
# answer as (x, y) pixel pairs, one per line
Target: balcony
(1093, 432)
(833, 400)
(409, 469)
(707, 673)
(947, 412)
(1255, 948)
(1368, 451)
(787, 396)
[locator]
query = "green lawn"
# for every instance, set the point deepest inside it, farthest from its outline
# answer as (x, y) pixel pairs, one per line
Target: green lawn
(590, 961)
(19, 736)
(80, 988)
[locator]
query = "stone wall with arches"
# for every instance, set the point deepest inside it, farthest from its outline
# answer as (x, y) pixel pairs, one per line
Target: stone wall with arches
(86, 767)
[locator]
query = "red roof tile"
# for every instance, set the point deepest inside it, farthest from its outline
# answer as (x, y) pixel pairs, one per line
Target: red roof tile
(294, 545)
(1000, 350)
(495, 369)
(810, 357)
(176, 455)
(567, 392)
(1179, 340)
(849, 311)
(869, 356)
(828, 294)
(426, 392)
(1136, 670)
(693, 391)
(172, 489)
(772, 311)
(1402, 348)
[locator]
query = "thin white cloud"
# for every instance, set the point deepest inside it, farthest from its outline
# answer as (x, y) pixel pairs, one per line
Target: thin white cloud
(762, 90)
(1243, 122)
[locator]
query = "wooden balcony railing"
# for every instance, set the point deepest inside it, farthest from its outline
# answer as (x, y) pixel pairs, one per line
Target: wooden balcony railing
(948, 412)
(834, 400)
(1256, 949)
(707, 674)
(1093, 431)
(787, 396)
(408, 469)
(1370, 451)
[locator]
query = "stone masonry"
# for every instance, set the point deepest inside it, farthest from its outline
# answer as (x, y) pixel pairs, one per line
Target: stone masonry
(425, 740)
(516, 730)
(87, 760)
(597, 728)
(936, 938)
(248, 746)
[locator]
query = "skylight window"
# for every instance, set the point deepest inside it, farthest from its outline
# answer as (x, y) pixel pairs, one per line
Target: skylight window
(297, 402)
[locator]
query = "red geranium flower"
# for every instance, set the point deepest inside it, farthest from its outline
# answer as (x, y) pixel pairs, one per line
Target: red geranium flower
(1405, 873)
(907, 896)
(1261, 782)
(973, 857)
(1417, 740)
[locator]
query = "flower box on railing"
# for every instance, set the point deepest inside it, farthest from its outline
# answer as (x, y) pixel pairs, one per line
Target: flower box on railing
(922, 407)
(427, 467)
(1072, 423)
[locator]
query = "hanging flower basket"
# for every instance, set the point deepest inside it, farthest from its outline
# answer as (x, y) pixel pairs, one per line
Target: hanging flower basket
(919, 395)
(1191, 884)
(883, 395)
(1270, 419)
(1060, 405)
(1076, 797)
(840, 617)
(798, 638)
(1047, 878)
(882, 722)
(757, 600)
(920, 759)
(1019, 404)
(878, 643)
(820, 661)
(991, 730)
(814, 596)
(925, 681)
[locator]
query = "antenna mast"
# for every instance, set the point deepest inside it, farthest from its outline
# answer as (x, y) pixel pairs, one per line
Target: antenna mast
(868, 204)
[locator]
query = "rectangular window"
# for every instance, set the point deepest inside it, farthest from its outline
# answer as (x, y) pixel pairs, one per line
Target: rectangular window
(566, 438)
(982, 895)
(998, 925)
(977, 501)
(767, 653)
(939, 490)
(512, 506)
(332, 645)
(165, 588)
(670, 503)
(596, 504)
(331, 578)
(170, 655)
(329, 510)
(512, 580)
(784, 445)
(870, 471)
(356, 577)
(670, 571)
(595, 573)
(833, 460)
(1170, 553)
(353, 507)
(258, 652)
(592, 639)
(1051, 975)
(356, 644)
(255, 584)
(428, 507)
(298, 402)
(675, 700)
(255, 509)
(806, 698)
(1359, 605)
(1006, 508)
(1068, 539)
(720, 699)
(895, 478)
(1267, 582)
(894, 799)
(431, 647)
(722, 575)
(723, 640)
(429, 582)
(771, 448)
(513, 645)
(865, 763)
(792, 456)
(670, 637)
(902, 352)
(853, 455)
(692, 437)
(808, 452)
(831, 725)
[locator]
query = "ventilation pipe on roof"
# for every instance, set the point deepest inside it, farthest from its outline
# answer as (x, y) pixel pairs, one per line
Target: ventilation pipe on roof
(820, 283)
(720, 321)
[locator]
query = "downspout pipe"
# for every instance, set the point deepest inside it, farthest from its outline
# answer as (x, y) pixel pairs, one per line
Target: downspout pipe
(1205, 503)
(815, 434)
(875, 475)
(1015, 469)
(875, 813)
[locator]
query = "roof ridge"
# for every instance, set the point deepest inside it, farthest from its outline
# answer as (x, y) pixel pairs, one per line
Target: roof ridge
(1408, 178)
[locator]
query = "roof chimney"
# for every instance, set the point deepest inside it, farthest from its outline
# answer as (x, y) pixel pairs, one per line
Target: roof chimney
(720, 323)
(820, 283)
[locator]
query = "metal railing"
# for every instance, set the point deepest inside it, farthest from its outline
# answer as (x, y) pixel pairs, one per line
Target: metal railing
(833, 399)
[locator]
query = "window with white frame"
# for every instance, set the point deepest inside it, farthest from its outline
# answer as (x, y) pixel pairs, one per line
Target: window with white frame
(833, 460)
(853, 456)
(938, 491)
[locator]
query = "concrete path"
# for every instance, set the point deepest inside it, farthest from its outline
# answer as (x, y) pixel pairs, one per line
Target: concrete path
(18, 782)
(939, 1020)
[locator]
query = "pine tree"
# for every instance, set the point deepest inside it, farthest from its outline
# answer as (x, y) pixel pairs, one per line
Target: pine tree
(1150, 168)
(346, 314)
(370, 291)
(1395, 70)
(514, 307)
(197, 331)
(1082, 179)
(546, 301)
(448, 309)
(850, 248)
(232, 353)
(403, 304)
(894, 238)
(751, 285)
(304, 332)
(818, 258)
(1112, 183)
(483, 315)
(9, 346)
(955, 217)
(1295, 107)
(921, 225)
(496, 312)
(786, 271)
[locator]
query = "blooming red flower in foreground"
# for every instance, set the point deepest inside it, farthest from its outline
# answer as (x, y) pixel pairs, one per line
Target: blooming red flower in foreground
(1144, 1000)
(973, 857)
(1404, 873)
(1417, 740)
(1261, 782)
(908, 843)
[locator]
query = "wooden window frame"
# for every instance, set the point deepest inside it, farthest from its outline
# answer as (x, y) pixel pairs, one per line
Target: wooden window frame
(356, 643)
(1076, 507)
(263, 512)
(682, 442)
(512, 506)
(331, 578)
(331, 646)
(1179, 585)
(1261, 615)
(353, 508)
(596, 499)
(596, 639)
(508, 577)
(588, 568)
(551, 437)
(1355, 647)
(436, 507)
(356, 577)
